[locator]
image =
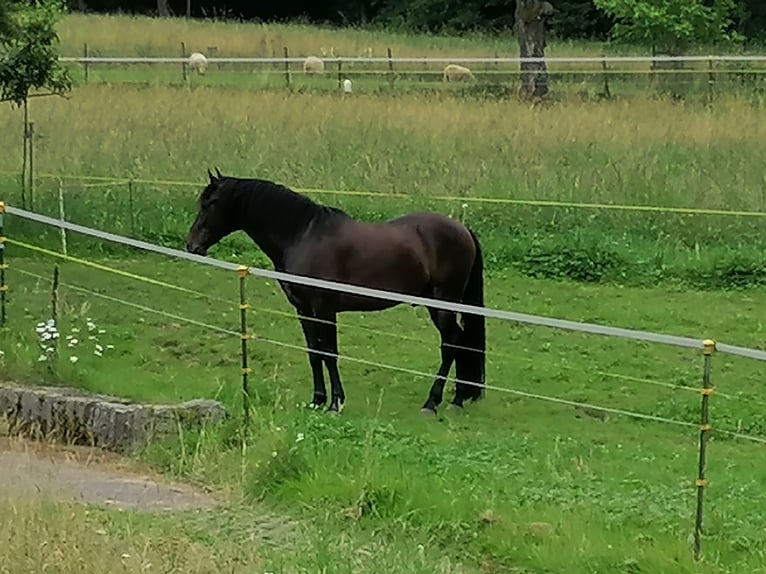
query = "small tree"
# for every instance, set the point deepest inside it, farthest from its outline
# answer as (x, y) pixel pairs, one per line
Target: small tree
(28, 62)
(669, 26)
(28, 51)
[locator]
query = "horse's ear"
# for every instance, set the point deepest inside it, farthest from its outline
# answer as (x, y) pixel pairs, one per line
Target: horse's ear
(218, 173)
(211, 176)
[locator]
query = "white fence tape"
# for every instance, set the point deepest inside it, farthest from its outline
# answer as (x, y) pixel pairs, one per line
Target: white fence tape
(590, 328)
(415, 60)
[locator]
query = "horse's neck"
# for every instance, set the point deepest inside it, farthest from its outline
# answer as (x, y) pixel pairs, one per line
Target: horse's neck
(276, 240)
(273, 246)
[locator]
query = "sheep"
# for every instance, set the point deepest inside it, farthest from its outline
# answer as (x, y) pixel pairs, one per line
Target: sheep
(456, 73)
(313, 65)
(198, 62)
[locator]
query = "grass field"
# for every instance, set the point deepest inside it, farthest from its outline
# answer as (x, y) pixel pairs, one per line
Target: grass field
(107, 36)
(513, 484)
(473, 487)
(638, 153)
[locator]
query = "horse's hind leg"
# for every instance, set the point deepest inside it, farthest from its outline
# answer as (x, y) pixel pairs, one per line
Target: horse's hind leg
(310, 328)
(446, 323)
(328, 340)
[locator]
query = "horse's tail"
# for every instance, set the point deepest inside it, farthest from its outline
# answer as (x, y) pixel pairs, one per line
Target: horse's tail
(470, 358)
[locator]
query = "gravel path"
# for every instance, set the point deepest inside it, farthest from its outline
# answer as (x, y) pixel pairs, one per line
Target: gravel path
(29, 468)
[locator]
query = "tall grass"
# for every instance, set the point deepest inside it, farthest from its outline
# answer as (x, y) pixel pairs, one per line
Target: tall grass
(644, 152)
(119, 35)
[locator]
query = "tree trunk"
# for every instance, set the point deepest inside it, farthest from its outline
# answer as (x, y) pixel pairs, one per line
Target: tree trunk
(162, 8)
(530, 30)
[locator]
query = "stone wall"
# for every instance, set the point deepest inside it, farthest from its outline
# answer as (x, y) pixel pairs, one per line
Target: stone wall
(76, 417)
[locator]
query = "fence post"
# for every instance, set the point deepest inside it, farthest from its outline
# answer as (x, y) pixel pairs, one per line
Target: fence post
(55, 315)
(607, 92)
(24, 156)
(287, 67)
(243, 307)
(708, 347)
(183, 64)
(85, 64)
(3, 267)
(62, 231)
(340, 73)
(710, 80)
(31, 137)
(130, 209)
(390, 68)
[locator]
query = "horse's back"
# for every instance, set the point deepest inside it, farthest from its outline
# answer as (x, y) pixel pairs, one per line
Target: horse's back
(449, 243)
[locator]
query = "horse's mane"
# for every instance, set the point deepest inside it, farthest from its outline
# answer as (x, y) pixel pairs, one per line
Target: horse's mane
(284, 208)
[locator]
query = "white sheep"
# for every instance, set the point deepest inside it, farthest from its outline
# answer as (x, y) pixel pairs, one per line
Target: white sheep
(313, 65)
(456, 73)
(198, 62)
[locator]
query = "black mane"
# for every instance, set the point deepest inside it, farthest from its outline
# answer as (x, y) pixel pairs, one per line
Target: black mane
(282, 208)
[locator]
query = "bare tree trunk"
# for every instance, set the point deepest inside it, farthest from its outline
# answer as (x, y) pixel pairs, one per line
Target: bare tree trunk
(530, 30)
(162, 8)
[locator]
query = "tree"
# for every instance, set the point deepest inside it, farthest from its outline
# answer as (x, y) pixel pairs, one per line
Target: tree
(28, 52)
(530, 31)
(6, 20)
(163, 9)
(669, 26)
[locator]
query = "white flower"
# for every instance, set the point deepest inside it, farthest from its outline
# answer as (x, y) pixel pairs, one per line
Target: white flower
(50, 323)
(42, 358)
(75, 330)
(110, 346)
(73, 359)
(49, 349)
(99, 348)
(300, 437)
(101, 331)
(274, 454)
(97, 353)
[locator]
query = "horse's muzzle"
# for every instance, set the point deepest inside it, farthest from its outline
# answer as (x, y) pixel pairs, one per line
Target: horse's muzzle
(196, 249)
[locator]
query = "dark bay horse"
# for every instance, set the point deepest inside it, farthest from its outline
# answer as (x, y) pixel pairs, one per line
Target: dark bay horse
(422, 254)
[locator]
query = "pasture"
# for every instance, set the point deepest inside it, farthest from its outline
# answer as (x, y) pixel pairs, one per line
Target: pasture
(513, 483)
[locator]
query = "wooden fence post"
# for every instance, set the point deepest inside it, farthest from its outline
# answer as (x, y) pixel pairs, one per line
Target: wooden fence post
(708, 347)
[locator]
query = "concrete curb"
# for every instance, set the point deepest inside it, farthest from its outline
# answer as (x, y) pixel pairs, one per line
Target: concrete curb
(76, 417)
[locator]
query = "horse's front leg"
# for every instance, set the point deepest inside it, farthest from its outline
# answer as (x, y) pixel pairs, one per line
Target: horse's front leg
(310, 332)
(328, 336)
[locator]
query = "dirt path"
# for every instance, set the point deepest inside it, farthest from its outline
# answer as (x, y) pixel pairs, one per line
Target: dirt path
(29, 468)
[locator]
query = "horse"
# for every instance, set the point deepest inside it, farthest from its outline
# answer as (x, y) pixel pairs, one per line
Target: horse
(423, 254)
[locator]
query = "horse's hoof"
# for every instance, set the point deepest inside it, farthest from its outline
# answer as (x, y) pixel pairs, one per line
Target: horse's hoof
(428, 412)
(455, 407)
(314, 406)
(335, 409)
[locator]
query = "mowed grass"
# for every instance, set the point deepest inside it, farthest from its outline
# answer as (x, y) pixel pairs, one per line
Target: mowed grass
(512, 482)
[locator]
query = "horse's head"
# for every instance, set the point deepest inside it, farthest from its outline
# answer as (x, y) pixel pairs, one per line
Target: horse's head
(213, 221)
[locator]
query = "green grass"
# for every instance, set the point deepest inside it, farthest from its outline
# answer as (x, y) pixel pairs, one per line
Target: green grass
(428, 148)
(468, 485)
